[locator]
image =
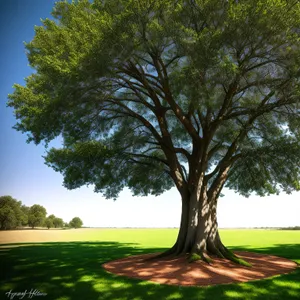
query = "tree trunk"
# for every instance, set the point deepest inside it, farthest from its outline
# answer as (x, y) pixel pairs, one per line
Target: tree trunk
(198, 235)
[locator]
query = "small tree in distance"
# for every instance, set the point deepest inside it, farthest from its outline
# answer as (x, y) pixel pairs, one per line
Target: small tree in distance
(37, 215)
(58, 222)
(66, 225)
(11, 214)
(76, 223)
(49, 222)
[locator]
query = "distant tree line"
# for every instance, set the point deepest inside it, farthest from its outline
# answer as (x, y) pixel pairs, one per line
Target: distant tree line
(14, 214)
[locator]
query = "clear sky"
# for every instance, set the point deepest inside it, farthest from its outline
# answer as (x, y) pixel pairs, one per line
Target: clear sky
(24, 176)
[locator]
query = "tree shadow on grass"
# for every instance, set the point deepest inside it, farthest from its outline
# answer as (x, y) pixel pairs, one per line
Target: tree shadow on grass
(73, 270)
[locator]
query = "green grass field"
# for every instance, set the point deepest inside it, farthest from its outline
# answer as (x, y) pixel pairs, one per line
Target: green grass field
(72, 269)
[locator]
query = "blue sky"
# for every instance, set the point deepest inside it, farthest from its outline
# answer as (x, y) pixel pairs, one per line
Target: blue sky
(24, 176)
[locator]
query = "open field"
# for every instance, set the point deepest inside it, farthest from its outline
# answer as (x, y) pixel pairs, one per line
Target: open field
(66, 264)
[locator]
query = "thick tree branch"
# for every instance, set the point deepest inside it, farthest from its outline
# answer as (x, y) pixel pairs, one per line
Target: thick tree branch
(159, 111)
(163, 77)
(129, 112)
(158, 159)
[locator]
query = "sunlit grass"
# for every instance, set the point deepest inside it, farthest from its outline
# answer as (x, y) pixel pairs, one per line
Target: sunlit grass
(259, 238)
(72, 269)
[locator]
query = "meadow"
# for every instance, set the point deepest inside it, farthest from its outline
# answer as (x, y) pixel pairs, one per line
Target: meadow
(66, 264)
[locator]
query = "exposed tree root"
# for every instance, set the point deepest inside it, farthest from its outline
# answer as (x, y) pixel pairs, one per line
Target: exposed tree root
(232, 257)
(200, 256)
(169, 253)
(193, 257)
(206, 257)
(226, 253)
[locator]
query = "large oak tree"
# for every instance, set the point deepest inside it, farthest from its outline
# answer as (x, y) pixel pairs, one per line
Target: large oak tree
(149, 94)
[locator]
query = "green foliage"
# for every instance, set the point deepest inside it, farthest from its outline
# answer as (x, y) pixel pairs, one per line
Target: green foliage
(76, 223)
(53, 221)
(36, 215)
(25, 210)
(66, 225)
(49, 223)
(12, 213)
(268, 169)
(52, 217)
(58, 223)
(147, 93)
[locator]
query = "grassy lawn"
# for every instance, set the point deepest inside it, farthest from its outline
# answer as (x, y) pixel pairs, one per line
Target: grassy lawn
(71, 269)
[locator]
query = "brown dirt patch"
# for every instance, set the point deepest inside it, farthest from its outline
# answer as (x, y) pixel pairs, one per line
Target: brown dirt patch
(177, 271)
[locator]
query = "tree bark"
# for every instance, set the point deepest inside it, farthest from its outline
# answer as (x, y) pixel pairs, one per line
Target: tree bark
(198, 235)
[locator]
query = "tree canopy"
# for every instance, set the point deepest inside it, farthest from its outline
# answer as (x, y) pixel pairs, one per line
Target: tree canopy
(49, 222)
(58, 222)
(148, 85)
(37, 215)
(12, 213)
(76, 222)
